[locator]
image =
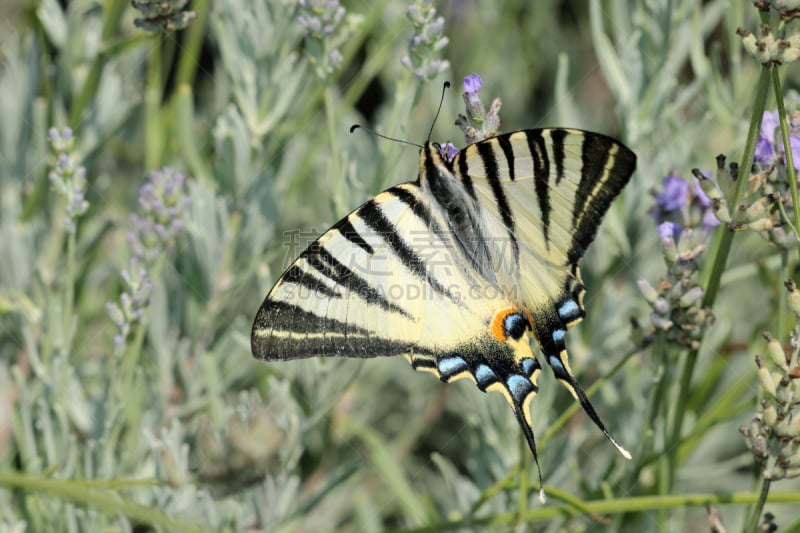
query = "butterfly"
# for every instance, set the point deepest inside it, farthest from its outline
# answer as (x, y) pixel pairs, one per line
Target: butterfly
(459, 270)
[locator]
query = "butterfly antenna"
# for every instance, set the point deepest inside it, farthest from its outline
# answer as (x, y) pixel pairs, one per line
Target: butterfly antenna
(354, 127)
(441, 101)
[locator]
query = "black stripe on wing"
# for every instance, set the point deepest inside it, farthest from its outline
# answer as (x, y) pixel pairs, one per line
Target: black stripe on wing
(402, 193)
(295, 333)
(298, 276)
(373, 216)
(447, 191)
(508, 152)
(557, 146)
(488, 155)
(541, 180)
(607, 168)
(327, 265)
(463, 174)
(345, 227)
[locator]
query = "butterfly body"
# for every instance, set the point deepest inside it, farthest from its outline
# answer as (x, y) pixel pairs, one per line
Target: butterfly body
(460, 269)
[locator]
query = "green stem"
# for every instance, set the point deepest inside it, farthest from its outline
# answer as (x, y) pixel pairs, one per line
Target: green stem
(102, 496)
(191, 41)
(787, 146)
(758, 508)
(720, 259)
(112, 12)
(783, 303)
(660, 411)
(336, 156)
(132, 353)
(69, 294)
(153, 141)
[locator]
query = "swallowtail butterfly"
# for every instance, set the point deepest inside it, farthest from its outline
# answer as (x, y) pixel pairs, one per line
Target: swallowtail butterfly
(460, 269)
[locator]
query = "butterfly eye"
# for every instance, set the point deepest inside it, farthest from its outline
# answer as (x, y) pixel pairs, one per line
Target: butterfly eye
(514, 326)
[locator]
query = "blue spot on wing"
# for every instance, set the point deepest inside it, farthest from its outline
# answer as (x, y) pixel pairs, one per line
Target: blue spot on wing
(568, 309)
(528, 366)
(519, 387)
(450, 366)
(484, 376)
(514, 325)
(555, 362)
(558, 335)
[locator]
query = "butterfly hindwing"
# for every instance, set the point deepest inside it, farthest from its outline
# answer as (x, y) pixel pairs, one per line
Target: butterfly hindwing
(548, 190)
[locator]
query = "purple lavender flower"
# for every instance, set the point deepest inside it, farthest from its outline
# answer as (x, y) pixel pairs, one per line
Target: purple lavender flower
(448, 150)
(700, 194)
(766, 139)
(794, 144)
(478, 124)
(475, 111)
(67, 177)
(674, 196)
(683, 206)
(154, 228)
(138, 288)
(162, 202)
(321, 17)
(323, 23)
(428, 39)
(770, 144)
(472, 84)
(669, 230)
(710, 220)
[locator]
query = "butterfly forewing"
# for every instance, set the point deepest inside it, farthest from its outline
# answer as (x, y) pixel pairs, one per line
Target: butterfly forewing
(386, 280)
(547, 191)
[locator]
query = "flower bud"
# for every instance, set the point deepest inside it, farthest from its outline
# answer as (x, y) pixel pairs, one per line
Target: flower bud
(775, 351)
(709, 187)
(748, 41)
(764, 376)
(692, 296)
(720, 209)
(794, 296)
(793, 427)
(661, 305)
(765, 224)
(770, 415)
(792, 472)
(789, 55)
(760, 446)
(648, 291)
(786, 5)
(668, 245)
(757, 210)
(661, 323)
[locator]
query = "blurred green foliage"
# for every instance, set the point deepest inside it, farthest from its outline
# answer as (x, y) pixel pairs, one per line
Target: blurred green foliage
(179, 429)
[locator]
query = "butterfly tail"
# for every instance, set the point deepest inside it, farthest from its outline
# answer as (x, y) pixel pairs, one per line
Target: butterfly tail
(557, 359)
(527, 430)
(520, 389)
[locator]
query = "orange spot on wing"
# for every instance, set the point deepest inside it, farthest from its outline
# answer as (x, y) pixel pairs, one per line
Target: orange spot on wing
(496, 326)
